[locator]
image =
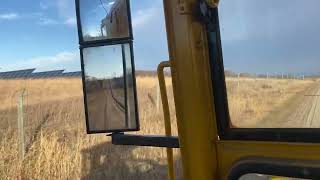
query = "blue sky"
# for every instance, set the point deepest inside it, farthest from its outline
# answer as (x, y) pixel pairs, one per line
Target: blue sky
(271, 36)
(257, 36)
(43, 34)
(103, 62)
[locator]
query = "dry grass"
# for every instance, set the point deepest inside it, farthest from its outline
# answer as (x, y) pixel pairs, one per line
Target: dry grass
(252, 100)
(39, 90)
(60, 149)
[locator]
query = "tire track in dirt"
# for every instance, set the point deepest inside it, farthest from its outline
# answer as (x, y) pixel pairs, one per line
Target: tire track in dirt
(306, 114)
(302, 111)
(103, 111)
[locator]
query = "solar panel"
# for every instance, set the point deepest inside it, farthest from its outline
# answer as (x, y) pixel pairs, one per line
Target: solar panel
(48, 74)
(18, 71)
(29, 73)
(15, 74)
(72, 74)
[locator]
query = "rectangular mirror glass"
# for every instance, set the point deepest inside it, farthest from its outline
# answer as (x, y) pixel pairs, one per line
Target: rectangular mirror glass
(104, 19)
(109, 89)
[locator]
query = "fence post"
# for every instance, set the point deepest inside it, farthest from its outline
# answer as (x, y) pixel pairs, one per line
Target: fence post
(158, 97)
(21, 124)
(239, 74)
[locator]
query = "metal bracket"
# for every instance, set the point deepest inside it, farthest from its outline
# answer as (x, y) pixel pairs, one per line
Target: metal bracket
(213, 3)
(139, 140)
(206, 14)
(184, 8)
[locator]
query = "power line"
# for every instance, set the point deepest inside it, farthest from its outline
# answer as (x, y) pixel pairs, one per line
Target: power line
(103, 7)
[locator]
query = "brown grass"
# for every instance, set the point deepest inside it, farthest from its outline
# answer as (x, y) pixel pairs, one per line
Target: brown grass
(61, 149)
(252, 100)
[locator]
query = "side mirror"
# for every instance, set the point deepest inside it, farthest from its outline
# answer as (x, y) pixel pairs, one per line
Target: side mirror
(109, 87)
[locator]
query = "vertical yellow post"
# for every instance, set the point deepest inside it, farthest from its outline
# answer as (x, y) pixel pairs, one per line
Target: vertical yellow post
(192, 89)
(166, 115)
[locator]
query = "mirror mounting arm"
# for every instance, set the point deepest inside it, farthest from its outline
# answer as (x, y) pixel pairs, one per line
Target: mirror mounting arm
(145, 140)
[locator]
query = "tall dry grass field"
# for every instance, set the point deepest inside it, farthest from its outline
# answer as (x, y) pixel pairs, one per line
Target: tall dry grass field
(57, 146)
(56, 141)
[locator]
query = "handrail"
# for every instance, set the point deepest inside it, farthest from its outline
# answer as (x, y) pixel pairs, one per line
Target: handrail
(166, 114)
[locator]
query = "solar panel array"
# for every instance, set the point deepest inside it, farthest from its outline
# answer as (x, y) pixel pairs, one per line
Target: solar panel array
(72, 74)
(30, 74)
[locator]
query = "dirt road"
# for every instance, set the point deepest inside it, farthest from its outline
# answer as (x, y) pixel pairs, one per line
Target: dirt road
(103, 111)
(302, 111)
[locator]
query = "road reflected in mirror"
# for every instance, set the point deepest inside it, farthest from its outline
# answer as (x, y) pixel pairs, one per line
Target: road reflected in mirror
(104, 88)
(104, 19)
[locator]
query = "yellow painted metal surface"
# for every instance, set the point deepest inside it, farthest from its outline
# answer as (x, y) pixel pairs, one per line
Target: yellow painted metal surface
(203, 155)
(192, 91)
(231, 151)
(277, 178)
(166, 115)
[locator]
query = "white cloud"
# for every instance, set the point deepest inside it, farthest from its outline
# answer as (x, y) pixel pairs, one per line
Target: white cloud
(47, 21)
(61, 57)
(66, 10)
(65, 13)
(9, 16)
(58, 61)
(142, 17)
(71, 21)
(65, 7)
(43, 5)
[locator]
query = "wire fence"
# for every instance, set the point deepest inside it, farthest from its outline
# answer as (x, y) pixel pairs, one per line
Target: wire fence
(29, 123)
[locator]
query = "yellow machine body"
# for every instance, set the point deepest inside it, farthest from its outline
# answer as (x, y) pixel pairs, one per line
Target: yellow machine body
(204, 156)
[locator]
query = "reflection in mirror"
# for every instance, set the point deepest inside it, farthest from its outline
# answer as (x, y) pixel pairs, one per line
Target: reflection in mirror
(130, 87)
(104, 19)
(105, 88)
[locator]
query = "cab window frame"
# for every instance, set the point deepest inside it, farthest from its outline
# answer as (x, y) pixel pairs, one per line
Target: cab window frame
(305, 169)
(220, 99)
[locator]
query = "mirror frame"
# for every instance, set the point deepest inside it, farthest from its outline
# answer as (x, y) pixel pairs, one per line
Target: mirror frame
(109, 42)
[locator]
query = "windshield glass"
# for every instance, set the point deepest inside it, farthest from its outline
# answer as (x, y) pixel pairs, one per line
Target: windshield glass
(271, 59)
